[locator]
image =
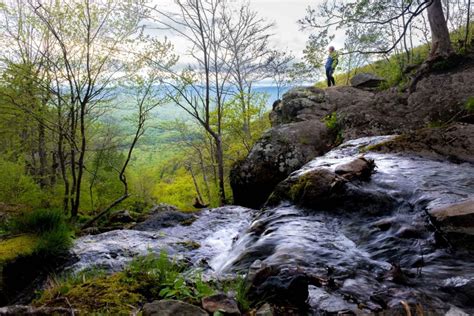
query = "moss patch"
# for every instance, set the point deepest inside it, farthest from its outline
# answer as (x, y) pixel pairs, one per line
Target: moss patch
(190, 244)
(18, 246)
(106, 294)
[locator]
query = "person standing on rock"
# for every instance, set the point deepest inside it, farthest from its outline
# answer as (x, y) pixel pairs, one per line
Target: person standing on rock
(331, 64)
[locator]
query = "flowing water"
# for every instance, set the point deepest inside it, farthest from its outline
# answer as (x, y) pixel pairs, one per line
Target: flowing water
(349, 243)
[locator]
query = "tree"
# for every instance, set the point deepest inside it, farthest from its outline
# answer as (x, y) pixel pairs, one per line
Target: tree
(228, 51)
(86, 48)
(279, 67)
(381, 14)
(250, 55)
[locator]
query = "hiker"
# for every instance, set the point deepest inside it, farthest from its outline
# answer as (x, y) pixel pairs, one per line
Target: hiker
(331, 64)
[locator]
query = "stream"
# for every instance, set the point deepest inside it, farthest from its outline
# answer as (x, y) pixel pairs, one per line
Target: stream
(357, 248)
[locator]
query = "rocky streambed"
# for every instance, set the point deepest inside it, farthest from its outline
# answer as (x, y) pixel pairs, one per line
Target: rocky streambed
(375, 245)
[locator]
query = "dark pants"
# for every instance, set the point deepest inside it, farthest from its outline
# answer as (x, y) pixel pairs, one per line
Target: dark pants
(331, 81)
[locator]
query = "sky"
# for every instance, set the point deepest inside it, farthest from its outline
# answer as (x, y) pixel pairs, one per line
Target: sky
(283, 13)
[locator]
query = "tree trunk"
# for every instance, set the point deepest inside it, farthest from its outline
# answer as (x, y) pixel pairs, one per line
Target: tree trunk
(220, 170)
(42, 174)
(441, 43)
(196, 186)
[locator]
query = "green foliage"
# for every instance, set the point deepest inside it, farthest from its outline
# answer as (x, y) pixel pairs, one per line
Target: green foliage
(332, 123)
(239, 288)
(145, 279)
(469, 105)
(16, 187)
(242, 294)
(54, 234)
(37, 222)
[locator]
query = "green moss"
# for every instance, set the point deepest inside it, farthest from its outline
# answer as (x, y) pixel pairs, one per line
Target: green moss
(18, 246)
(102, 294)
(469, 105)
(146, 279)
(296, 190)
(190, 244)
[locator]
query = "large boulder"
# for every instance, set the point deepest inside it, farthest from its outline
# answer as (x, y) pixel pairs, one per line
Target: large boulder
(172, 308)
(281, 150)
(322, 188)
(366, 80)
(282, 286)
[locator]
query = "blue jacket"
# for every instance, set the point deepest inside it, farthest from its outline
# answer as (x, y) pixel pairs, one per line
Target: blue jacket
(332, 61)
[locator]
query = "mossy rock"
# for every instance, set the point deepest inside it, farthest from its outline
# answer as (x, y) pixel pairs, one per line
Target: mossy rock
(15, 247)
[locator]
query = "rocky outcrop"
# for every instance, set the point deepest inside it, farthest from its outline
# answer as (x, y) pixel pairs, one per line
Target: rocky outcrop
(172, 308)
(298, 133)
(279, 152)
(366, 80)
(455, 142)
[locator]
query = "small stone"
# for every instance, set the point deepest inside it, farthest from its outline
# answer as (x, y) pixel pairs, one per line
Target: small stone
(172, 308)
(264, 310)
(220, 303)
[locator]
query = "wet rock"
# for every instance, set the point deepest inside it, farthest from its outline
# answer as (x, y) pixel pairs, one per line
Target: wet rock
(221, 303)
(37, 311)
(316, 187)
(457, 221)
(164, 218)
(409, 232)
(190, 244)
(396, 274)
(279, 152)
(360, 168)
(454, 142)
(172, 308)
(121, 217)
(322, 188)
(281, 286)
(456, 216)
(385, 223)
(460, 288)
(366, 80)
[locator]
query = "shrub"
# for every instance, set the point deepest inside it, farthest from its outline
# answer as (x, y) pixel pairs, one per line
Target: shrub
(469, 105)
(37, 222)
(332, 123)
(55, 242)
(54, 234)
